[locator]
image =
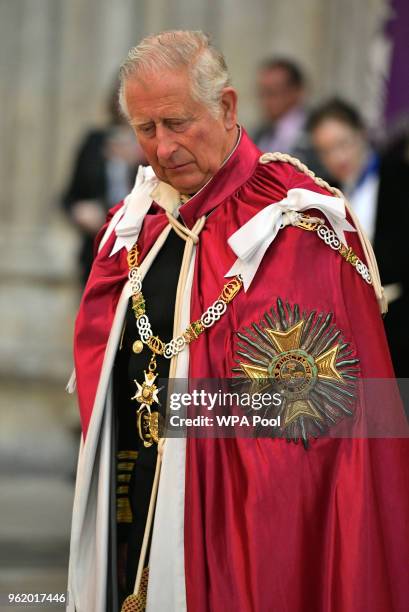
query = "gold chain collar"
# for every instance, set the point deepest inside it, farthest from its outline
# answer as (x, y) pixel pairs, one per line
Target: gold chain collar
(147, 392)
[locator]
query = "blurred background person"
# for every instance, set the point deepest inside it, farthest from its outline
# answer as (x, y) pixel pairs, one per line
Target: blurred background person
(103, 174)
(377, 186)
(281, 92)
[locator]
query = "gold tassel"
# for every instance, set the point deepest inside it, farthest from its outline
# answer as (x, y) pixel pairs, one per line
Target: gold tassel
(137, 601)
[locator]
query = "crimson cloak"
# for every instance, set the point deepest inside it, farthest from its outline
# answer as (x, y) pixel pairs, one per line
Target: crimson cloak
(269, 525)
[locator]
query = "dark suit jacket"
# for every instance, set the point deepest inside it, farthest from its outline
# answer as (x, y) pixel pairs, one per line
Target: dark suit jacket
(302, 149)
(89, 181)
(391, 245)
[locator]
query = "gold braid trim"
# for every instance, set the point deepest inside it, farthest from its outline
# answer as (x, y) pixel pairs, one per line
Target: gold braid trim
(366, 245)
(126, 462)
(126, 466)
(127, 454)
(123, 510)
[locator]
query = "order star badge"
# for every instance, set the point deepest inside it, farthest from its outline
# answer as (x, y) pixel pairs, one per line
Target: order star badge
(147, 392)
(303, 357)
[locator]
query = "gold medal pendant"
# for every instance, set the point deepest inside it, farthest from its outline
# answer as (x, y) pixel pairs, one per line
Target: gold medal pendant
(149, 425)
(143, 424)
(146, 395)
(147, 392)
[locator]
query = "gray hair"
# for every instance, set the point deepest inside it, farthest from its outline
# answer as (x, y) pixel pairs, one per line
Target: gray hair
(176, 49)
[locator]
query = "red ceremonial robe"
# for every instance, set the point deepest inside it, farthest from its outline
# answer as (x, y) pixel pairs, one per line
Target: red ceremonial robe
(270, 526)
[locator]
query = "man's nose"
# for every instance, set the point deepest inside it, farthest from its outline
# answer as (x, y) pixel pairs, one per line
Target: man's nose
(166, 145)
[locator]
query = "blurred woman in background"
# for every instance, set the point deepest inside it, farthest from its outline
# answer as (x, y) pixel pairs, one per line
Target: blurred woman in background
(377, 187)
(103, 174)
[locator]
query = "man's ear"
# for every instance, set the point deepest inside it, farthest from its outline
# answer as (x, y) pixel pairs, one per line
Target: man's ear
(229, 107)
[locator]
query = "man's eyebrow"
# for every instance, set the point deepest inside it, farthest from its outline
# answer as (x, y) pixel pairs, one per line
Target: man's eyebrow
(178, 119)
(136, 123)
(141, 124)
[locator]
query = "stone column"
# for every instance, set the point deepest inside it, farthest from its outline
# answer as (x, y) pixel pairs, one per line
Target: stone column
(356, 54)
(58, 63)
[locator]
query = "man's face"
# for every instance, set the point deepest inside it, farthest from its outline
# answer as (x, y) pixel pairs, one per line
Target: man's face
(276, 94)
(341, 148)
(182, 141)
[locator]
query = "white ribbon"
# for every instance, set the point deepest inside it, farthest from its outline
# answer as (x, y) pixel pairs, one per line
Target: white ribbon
(252, 240)
(147, 188)
(136, 205)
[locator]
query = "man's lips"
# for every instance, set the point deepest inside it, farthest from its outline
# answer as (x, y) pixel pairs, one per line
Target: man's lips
(178, 166)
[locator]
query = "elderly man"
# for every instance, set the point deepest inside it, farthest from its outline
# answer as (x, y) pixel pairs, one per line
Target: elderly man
(225, 263)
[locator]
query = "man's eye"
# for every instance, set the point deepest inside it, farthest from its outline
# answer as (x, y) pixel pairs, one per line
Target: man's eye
(177, 125)
(146, 129)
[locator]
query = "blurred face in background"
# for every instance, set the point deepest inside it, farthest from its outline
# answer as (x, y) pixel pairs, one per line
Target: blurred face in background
(277, 94)
(342, 148)
(183, 141)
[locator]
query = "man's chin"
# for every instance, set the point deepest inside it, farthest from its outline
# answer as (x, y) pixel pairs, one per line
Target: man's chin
(186, 183)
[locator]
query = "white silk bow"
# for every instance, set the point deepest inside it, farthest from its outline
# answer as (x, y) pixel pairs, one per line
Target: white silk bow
(252, 240)
(136, 204)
